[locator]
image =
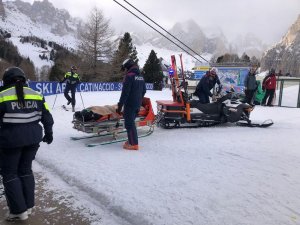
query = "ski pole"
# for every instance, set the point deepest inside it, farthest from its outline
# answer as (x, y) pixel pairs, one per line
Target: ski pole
(82, 100)
(54, 101)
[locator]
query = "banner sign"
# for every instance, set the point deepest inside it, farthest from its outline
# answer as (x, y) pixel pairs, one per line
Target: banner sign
(51, 88)
(233, 77)
(230, 77)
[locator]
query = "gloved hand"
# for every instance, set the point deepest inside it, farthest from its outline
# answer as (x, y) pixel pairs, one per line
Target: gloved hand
(119, 109)
(48, 138)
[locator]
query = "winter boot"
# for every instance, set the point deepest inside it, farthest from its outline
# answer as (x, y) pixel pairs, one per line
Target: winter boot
(20, 216)
(73, 108)
(127, 146)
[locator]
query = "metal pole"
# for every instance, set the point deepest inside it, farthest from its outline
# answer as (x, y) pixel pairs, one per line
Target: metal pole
(298, 103)
(280, 92)
(54, 101)
(82, 100)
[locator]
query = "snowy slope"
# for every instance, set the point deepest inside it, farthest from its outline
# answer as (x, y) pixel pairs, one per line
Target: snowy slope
(18, 24)
(21, 25)
(188, 61)
(220, 175)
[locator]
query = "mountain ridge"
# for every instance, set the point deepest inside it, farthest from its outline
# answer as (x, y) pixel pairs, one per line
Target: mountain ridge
(43, 20)
(285, 55)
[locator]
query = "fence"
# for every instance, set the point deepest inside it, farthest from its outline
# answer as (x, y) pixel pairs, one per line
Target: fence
(287, 87)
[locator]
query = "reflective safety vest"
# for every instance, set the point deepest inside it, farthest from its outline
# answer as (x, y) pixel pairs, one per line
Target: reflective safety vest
(72, 78)
(19, 124)
(22, 114)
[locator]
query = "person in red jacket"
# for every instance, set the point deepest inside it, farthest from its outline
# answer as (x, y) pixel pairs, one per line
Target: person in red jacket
(269, 85)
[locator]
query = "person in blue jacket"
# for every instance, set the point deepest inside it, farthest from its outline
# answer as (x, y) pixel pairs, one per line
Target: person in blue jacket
(21, 111)
(133, 91)
(207, 82)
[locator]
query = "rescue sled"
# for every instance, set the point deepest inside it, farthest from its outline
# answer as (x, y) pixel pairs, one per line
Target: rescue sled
(103, 121)
(183, 112)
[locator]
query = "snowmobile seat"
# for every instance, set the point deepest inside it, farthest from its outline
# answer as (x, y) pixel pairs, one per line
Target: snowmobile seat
(209, 108)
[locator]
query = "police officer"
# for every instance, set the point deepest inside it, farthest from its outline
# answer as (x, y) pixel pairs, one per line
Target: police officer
(133, 91)
(207, 82)
(72, 79)
(21, 110)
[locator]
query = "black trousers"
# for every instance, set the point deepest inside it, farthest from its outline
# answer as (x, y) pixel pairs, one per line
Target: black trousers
(129, 115)
(203, 98)
(249, 94)
(269, 95)
(72, 88)
(18, 179)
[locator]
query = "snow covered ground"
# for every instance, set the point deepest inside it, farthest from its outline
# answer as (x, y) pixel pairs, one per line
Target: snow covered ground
(220, 175)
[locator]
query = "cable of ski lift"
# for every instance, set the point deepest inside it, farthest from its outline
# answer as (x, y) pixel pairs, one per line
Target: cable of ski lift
(157, 31)
(166, 31)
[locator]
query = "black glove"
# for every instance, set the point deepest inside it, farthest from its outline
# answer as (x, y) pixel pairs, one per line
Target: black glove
(119, 109)
(48, 138)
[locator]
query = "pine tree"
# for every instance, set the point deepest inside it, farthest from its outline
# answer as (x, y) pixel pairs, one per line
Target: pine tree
(125, 50)
(95, 46)
(153, 72)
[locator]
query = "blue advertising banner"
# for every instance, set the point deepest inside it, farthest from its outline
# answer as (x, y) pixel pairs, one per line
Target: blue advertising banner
(233, 77)
(230, 77)
(51, 88)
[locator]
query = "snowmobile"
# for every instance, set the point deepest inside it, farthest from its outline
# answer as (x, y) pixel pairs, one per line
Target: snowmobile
(103, 121)
(185, 112)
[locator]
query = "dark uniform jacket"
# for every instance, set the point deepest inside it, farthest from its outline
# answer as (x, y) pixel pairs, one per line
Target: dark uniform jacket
(19, 126)
(134, 88)
(71, 78)
(206, 84)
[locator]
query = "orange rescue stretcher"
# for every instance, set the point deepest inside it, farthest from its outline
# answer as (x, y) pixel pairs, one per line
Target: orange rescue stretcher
(104, 121)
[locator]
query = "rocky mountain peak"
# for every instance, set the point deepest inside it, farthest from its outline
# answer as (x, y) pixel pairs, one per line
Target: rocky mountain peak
(289, 38)
(44, 12)
(285, 56)
(2, 11)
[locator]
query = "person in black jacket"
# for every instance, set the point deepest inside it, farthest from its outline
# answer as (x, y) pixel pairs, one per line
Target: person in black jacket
(21, 110)
(207, 82)
(133, 91)
(72, 80)
(250, 85)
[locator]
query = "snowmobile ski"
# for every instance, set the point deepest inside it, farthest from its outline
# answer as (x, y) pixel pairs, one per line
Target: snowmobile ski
(150, 131)
(264, 124)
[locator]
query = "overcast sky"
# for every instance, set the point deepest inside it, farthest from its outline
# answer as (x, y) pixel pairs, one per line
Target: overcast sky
(267, 19)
